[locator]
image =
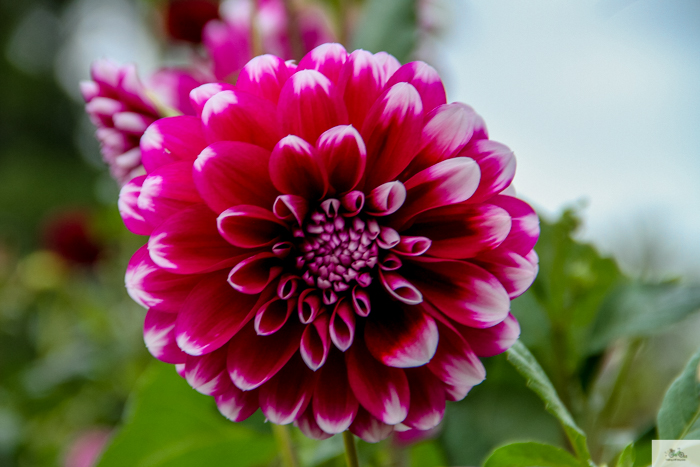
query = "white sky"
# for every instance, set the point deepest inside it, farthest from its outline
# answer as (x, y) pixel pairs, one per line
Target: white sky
(600, 100)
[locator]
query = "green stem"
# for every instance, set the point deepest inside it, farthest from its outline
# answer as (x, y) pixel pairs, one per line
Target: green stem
(350, 451)
(284, 444)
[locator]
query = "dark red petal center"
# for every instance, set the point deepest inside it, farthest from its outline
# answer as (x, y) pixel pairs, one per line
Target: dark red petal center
(335, 250)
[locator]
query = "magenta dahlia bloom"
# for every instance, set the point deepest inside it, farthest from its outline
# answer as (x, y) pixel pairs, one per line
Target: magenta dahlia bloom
(122, 107)
(329, 242)
(229, 41)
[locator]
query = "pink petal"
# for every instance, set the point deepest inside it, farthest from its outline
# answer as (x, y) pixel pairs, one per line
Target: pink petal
(525, 228)
(454, 362)
(253, 274)
(105, 72)
(172, 139)
(253, 359)
(167, 190)
(353, 202)
(172, 87)
(189, 243)
(427, 399)
(361, 80)
(212, 313)
(425, 79)
(231, 173)
(315, 343)
(462, 291)
(447, 131)
(200, 95)
(287, 394)
(399, 288)
(288, 207)
(155, 288)
(392, 132)
(327, 59)
(229, 46)
(494, 340)
(401, 336)
(386, 199)
(344, 156)
(334, 404)
(309, 105)
(237, 405)
(388, 63)
(447, 182)
(369, 428)
(264, 77)
(390, 262)
(207, 374)
(239, 116)
(272, 316)
(515, 272)
(131, 122)
(342, 325)
(310, 305)
(380, 389)
(497, 164)
(128, 207)
(307, 424)
(296, 169)
(159, 336)
(412, 246)
(250, 226)
(287, 286)
(462, 230)
(132, 91)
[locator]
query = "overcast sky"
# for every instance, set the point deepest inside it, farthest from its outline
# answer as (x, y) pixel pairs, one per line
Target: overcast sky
(600, 100)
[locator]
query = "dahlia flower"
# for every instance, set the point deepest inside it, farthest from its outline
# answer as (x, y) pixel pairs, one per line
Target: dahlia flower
(332, 243)
(122, 107)
(229, 41)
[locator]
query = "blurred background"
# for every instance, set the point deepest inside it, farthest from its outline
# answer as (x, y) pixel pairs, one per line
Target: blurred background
(598, 98)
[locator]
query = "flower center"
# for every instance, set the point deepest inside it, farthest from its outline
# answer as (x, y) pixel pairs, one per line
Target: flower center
(336, 251)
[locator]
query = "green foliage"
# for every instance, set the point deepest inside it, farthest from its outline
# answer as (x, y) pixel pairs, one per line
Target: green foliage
(636, 309)
(169, 424)
(531, 455)
(537, 380)
(426, 454)
(679, 417)
(389, 26)
(558, 312)
(626, 457)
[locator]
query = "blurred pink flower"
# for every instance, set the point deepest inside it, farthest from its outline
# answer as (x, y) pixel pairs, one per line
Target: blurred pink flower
(86, 450)
(122, 107)
(330, 242)
(411, 435)
(230, 41)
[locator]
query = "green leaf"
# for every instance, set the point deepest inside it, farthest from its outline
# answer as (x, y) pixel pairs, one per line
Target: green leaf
(523, 361)
(531, 455)
(389, 26)
(169, 424)
(641, 310)
(426, 454)
(627, 456)
(679, 417)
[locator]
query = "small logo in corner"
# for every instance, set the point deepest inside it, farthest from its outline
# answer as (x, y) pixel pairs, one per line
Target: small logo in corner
(676, 455)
